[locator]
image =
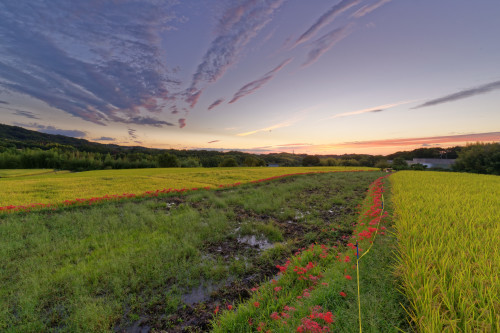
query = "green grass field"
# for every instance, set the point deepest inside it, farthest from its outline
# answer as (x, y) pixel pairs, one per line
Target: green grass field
(55, 188)
(150, 261)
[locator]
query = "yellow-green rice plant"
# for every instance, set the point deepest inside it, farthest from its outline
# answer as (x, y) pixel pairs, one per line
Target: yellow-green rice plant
(57, 187)
(448, 228)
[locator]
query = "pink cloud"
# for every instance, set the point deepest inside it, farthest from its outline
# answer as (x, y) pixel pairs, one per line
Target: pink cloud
(379, 108)
(237, 27)
(257, 84)
(182, 123)
(216, 103)
(386, 146)
(193, 96)
(325, 19)
(439, 140)
(369, 8)
(326, 42)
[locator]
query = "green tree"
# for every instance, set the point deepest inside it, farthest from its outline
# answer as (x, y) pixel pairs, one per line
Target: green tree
(167, 160)
(252, 161)
(399, 163)
(228, 162)
(211, 161)
(349, 162)
(382, 164)
(479, 158)
(311, 161)
(418, 166)
(190, 162)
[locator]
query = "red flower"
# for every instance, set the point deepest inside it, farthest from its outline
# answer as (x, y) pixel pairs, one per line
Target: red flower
(229, 307)
(348, 277)
(256, 304)
(343, 294)
(216, 309)
(275, 316)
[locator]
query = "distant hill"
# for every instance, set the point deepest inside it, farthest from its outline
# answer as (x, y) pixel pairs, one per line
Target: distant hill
(18, 137)
(15, 137)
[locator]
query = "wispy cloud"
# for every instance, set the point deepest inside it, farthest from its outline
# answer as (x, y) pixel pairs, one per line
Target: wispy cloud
(289, 122)
(4, 102)
(216, 103)
(105, 138)
(440, 140)
(326, 42)
(182, 122)
(91, 59)
(53, 130)
(326, 19)
(483, 89)
(379, 108)
(152, 121)
(294, 144)
(257, 84)
(237, 26)
(366, 9)
(26, 114)
(213, 141)
(192, 96)
(132, 133)
(22, 113)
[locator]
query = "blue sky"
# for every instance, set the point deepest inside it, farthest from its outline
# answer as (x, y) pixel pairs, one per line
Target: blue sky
(326, 77)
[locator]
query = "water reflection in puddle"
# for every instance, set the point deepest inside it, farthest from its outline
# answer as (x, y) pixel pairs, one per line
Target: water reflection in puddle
(252, 240)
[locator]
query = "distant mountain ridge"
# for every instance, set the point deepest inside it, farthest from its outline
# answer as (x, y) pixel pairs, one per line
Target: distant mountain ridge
(25, 138)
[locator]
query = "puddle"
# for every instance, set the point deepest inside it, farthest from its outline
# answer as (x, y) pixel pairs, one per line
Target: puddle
(252, 240)
(199, 294)
(138, 327)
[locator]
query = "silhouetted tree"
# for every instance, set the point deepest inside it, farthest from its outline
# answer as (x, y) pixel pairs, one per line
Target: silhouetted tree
(310, 160)
(479, 158)
(167, 160)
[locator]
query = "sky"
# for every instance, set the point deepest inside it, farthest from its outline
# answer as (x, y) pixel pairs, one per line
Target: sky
(315, 77)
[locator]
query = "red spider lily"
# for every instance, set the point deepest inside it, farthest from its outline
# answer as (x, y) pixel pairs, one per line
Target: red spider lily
(343, 294)
(152, 193)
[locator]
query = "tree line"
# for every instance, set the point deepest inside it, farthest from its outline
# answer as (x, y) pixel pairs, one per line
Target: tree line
(24, 149)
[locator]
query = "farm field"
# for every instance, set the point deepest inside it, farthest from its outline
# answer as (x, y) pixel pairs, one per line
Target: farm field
(9, 173)
(172, 262)
(448, 228)
(55, 188)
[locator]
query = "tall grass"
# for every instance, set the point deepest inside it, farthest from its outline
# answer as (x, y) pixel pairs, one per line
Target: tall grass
(448, 227)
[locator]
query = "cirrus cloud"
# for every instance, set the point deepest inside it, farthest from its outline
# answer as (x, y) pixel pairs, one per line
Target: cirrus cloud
(471, 92)
(251, 87)
(82, 59)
